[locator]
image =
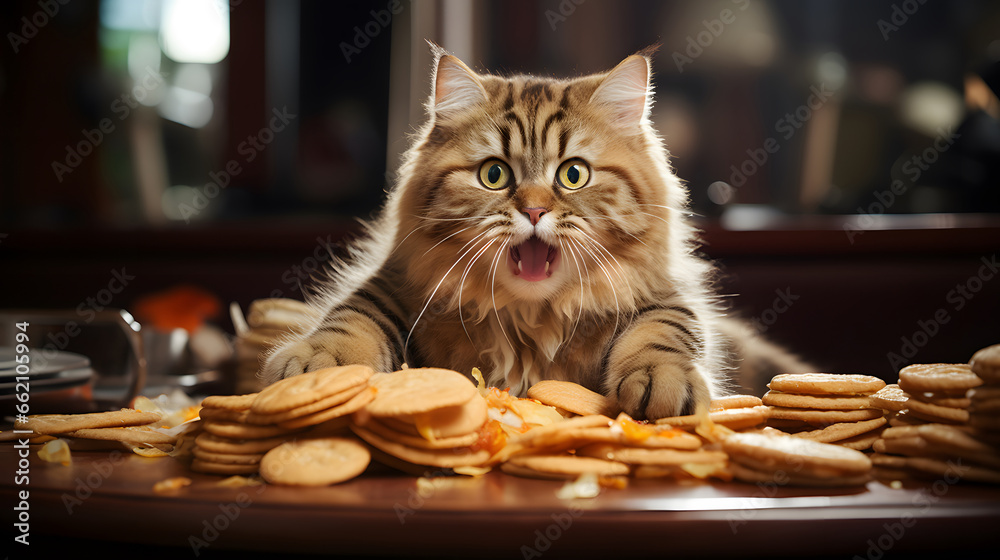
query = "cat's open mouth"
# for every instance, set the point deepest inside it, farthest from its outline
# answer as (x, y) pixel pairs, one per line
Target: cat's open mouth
(533, 260)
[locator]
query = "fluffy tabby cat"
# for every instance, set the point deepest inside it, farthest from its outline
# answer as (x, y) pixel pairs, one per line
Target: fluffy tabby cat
(536, 232)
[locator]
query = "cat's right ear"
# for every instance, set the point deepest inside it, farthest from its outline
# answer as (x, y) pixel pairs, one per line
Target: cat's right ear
(456, 86)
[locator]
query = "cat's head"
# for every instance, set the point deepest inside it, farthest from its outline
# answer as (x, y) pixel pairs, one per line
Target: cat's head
(535, 189)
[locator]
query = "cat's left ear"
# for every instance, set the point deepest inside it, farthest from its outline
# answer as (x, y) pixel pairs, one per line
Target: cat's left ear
(626, 92)
(456, 86)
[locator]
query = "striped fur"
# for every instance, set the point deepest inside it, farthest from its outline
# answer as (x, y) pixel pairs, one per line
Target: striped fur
(627, 310)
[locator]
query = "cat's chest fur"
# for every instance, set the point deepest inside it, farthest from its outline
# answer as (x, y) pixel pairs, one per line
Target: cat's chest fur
(515, 348)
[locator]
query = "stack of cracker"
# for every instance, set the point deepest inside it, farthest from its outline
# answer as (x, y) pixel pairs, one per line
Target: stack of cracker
(826, 408)
(735, 412)
(241, 430)
(785, 459)
(944, 422)
(984, 401)
(423, 419)
(266, 324)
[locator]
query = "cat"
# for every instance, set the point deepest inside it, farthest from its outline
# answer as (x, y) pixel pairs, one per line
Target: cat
(536, 232)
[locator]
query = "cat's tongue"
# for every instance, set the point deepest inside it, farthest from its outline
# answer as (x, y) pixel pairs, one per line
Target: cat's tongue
(532, 260)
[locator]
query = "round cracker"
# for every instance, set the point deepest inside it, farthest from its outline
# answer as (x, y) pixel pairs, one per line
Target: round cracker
(748, 474)
(734, 401)
(824, 417)
(571, 397)
(826, 383)
(986, 363)
(420, 390)
(821, 402)
(381, 429)
(937, 378)
(785, 451)
(307, 388)
(237, 430)
(935, 413)
(229, 402)
(208, 467)
(326, 403)
(891, 397)
(843, 430)
(646, 456)
(228, 458)
(449, 421)
(904, 418)
(354, 404)
(948, 467)
(445, 458)
(63, 423)
(931, 398)
(860, 442)
(135, 435)
(223, 415)
(211, 442)
(315, 462)
(732, 418)
(567, 465)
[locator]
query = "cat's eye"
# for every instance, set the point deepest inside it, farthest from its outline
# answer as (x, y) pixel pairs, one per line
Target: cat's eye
(573, 174)
(494, 174)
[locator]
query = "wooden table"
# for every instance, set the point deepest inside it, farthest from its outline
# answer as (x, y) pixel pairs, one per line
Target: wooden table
(107, 497)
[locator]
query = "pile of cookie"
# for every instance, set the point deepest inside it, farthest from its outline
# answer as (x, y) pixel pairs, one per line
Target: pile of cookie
(826, 408)
(943, 421)
(244, 434)
(426, 417)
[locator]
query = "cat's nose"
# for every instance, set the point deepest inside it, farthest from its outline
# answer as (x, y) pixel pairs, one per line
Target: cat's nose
(535, 214)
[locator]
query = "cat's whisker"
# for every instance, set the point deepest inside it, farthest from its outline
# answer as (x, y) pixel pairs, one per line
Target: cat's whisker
(579, 311)
(619, 271)
(461, 285)
(611, 282)
(435, 246)
(661, 218)
(618, 268)
(619, 220)
(493, 295)
(414, 230)
(462, 219)
(474, 242)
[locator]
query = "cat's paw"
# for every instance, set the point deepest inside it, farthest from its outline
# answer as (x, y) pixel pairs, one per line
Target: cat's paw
(660, 390)
(323, 349)
(296, 357)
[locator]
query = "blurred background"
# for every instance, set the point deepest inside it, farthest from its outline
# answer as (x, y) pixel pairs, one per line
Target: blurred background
(843, 157)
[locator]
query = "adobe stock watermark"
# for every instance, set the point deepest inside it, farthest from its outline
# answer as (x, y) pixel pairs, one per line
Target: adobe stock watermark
(85, 487)
(365, 34)
(565, 9)
(784, 128)
(423, 489)
(229, 512)
(548, 535)
(782, 303)
(31, 25)
(912, 168)
(250, 149)
(294, 276)
(713, 28)
(898, 17)
(958, 297)
(922, 503)
(92, 138)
